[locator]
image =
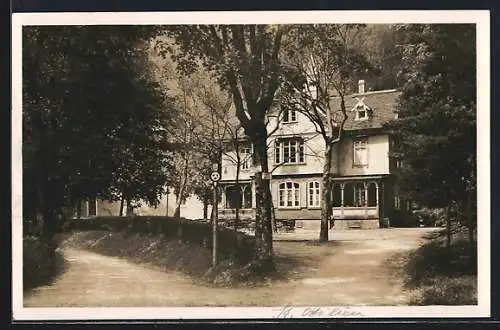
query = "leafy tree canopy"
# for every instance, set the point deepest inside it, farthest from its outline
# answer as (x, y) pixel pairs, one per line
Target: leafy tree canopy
(94, 123)
(436, 130)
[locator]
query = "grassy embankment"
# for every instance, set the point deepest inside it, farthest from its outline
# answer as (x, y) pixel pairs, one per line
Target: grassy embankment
(170, 244)
(435, 275)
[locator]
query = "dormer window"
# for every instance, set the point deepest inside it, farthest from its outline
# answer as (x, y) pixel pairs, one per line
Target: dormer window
(290, 116)
(362, 111)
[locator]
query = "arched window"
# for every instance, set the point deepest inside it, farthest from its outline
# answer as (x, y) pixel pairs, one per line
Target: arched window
(313, 194)
(372, 194)
(289, 194)
(336, 195)
(348, 194)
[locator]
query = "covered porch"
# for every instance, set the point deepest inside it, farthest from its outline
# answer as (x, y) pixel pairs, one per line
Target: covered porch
(357, 200)
(237, 196)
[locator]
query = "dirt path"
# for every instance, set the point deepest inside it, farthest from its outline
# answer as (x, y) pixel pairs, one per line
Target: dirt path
(356, 273)
(347, 271)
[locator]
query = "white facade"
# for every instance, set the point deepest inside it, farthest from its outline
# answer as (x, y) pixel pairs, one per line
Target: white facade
(360, 167)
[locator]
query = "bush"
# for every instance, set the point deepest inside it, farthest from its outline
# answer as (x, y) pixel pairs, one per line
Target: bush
(430, 217)
(232, 245)
(41, 263)
(436, 275)
(400, 218)
(448, 291)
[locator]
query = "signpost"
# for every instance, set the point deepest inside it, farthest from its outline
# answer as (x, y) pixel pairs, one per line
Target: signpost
(215, 177)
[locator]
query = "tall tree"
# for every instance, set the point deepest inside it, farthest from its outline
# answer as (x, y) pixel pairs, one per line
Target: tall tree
(322, 60)
(245, 59)
(436, 129)
(93, 123)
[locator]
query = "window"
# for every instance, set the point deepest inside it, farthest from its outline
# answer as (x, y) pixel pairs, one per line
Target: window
(289, 194)
(289, 151)
(313, 194)
(289, 116)
(397, 202)
(361, 112)
(360, 152)
(246, 156)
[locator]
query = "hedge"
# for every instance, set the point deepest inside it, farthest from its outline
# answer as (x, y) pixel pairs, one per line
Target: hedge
(231, 244)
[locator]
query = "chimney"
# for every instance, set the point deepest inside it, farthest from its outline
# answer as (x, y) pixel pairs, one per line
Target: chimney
(361, 87)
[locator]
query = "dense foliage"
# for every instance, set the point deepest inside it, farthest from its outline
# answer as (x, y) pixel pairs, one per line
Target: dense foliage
(94, 123)
(435, 135)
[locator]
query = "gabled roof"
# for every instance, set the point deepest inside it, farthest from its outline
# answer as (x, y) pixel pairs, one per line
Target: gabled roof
(381, 103)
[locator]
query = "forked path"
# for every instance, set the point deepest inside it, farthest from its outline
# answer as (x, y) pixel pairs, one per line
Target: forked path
(349, 272)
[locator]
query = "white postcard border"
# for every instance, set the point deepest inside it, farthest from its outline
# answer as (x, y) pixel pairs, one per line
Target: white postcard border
(479, 17)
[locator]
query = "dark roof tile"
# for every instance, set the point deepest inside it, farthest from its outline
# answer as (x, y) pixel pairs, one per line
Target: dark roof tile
(382, 103)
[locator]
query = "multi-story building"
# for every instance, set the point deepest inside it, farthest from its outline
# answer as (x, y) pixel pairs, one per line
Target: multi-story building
(362, 192)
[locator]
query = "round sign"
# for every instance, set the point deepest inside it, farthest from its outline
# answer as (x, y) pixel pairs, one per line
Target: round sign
(215, 176)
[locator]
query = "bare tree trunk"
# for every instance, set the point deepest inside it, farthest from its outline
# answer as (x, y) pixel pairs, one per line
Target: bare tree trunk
(168, 197)
(448, 228)
(79, 209)
(263, 232)
(177, 211)
(470, 225)
(50, 212)
(122, 201)
(130, 210)
(237, 180)
(273, 218)
(205, 209)
(326, 203)
(237, 183)
(182, 188)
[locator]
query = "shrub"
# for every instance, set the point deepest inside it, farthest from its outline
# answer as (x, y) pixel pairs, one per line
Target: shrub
(232, 245)
(41, 263)
(400, 218)
(431, 217)
(436, 275)
(448, 291)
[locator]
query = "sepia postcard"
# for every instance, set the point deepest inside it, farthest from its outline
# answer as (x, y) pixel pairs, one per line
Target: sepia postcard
(258, 165)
